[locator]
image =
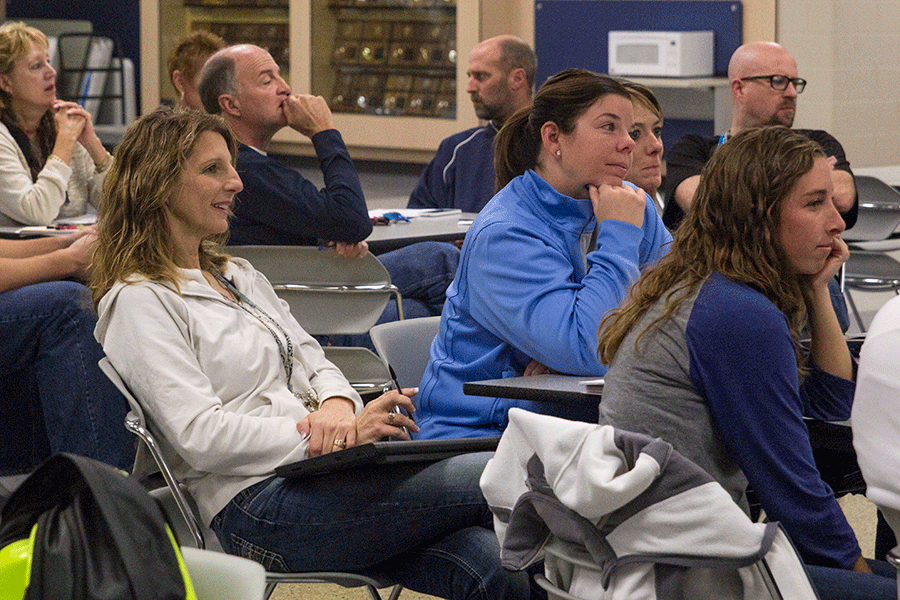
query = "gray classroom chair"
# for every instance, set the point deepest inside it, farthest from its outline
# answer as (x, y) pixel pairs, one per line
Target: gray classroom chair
(219, 576)
(405, 346)
(869, 267)
(175, 499)
(330, 295)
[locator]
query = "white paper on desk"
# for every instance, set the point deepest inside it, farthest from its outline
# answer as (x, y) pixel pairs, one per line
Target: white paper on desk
(412, 213)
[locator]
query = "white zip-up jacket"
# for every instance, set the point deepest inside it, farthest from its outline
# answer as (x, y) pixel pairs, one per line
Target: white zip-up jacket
(211, 378)
(616, 515)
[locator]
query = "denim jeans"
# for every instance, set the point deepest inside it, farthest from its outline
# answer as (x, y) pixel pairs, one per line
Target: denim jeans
(422, 272)
(426, 527)
(842, 584)
(53, 396)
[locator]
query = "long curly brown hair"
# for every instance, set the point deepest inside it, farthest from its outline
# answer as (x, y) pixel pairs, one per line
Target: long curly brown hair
(732, 229)
(134, 236)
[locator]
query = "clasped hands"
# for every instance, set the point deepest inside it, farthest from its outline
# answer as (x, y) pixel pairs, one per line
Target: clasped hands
(74, 120)
(335, 427)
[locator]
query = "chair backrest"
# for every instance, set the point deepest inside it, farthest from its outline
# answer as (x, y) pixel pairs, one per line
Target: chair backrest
(879, 211)
(406, 346)
(327, 294)
(149, 460)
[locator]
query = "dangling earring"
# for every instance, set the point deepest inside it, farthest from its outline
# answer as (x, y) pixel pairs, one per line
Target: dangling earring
(559, 152)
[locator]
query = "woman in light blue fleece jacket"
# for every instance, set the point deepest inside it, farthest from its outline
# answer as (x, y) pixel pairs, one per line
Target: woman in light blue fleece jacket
(556, 248)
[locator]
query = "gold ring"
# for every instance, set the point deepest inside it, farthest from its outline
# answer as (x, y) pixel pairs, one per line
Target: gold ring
(340, 443)
(391, 418)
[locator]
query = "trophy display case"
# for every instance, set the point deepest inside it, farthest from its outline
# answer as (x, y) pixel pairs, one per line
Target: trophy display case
(392, 71)
(388, 57)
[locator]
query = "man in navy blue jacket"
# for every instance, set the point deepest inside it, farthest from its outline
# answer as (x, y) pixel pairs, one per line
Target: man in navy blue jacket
(243, 84)
(278, 206)
(461, 174)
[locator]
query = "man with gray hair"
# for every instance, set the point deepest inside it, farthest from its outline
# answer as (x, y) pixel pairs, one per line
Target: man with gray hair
(278, 205)
(461, 174)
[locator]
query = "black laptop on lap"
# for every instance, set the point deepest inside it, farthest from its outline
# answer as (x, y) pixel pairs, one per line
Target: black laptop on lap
(386, 453)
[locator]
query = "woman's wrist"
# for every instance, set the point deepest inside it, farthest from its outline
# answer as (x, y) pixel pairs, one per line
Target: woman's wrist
(62, 149)
(347, 402)
(104, 162)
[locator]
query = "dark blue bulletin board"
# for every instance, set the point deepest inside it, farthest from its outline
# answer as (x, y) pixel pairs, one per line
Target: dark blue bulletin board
(574, 33)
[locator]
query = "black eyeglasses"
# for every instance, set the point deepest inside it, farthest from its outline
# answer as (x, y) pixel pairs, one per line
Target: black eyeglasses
(780, 82)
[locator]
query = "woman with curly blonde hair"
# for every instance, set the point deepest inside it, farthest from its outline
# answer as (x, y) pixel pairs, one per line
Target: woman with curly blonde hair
(51, 160)
(237, 388)
(706, 352)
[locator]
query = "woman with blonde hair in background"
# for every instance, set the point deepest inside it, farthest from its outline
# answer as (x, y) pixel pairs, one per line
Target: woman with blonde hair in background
(186, 62)
(51, 160)
(646, 158)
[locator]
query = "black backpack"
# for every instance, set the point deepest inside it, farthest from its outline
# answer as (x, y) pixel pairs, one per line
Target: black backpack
(89, 532)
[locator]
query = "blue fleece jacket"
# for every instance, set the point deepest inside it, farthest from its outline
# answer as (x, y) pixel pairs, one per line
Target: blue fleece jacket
(522, 291)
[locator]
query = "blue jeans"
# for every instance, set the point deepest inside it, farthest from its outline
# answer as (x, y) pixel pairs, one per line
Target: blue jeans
(425, 527)
(422, 272)
(53, 396)
(842, 584)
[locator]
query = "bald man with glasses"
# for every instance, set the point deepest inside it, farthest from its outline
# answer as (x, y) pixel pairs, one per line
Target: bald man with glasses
(764, 89)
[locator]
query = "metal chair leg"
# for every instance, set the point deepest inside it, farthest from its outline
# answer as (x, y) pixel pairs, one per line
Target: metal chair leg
(859, 321)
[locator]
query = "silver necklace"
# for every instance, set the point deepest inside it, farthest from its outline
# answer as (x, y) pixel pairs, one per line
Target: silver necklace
(309, 397)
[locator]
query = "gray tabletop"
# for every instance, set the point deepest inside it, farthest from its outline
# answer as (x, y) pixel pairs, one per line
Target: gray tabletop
(420, 229)
(824, 435)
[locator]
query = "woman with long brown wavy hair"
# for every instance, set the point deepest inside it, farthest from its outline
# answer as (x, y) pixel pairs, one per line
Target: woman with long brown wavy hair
(706, 352)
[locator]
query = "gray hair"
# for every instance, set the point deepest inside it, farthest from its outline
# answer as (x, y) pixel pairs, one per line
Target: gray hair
(216, 78)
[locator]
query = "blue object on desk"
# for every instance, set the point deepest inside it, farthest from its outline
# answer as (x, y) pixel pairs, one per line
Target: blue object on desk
(395, 216)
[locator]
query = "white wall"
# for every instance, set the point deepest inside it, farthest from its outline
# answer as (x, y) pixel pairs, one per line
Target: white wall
(849, 52)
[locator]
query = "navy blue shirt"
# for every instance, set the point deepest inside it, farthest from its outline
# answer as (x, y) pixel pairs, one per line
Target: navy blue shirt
(690, 153)
(461, 174)
(278, 206)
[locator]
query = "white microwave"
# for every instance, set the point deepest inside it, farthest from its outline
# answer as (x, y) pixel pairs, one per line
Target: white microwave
(661, 53)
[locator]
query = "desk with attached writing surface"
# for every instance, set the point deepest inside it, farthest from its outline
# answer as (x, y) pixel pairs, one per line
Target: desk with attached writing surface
(823, 435)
